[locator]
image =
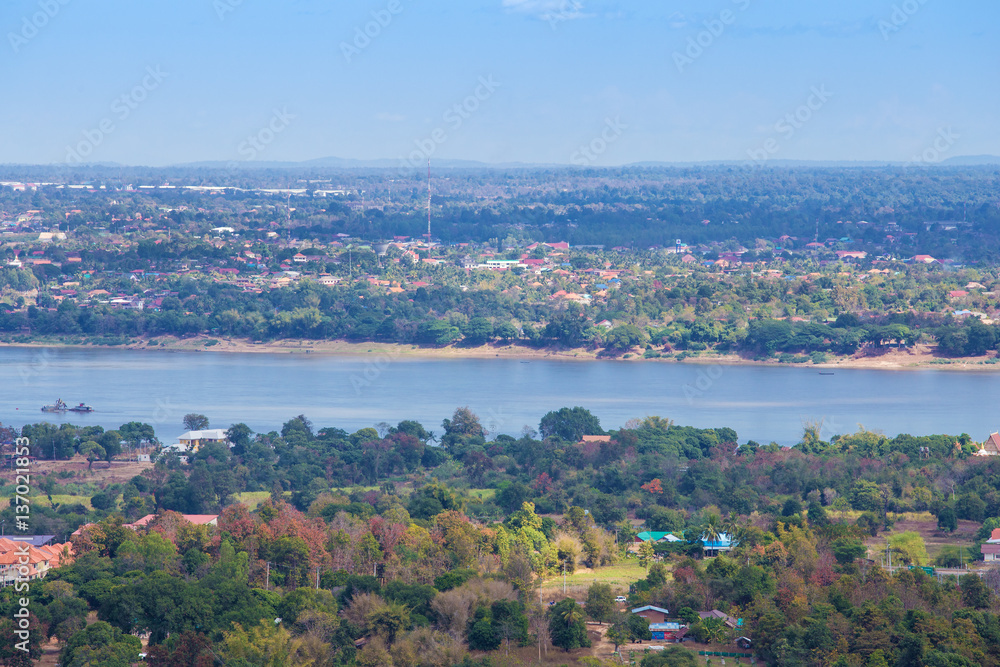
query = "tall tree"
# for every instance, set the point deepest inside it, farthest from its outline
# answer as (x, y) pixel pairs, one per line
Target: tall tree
(567, 627)
(570, 424)
(195, 422)
(600, 604)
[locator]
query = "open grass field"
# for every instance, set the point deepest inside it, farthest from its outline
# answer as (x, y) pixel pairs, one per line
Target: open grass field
(852, 515)
(252, 498)
(78, 470)
(482, 494)
(618, 576)
(935, 540)
(62, 500)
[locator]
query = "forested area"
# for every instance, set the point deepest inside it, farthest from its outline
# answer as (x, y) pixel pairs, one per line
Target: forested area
(394, 545)
(414, 545)
(634, 206)
(694, 314)
(751, 285)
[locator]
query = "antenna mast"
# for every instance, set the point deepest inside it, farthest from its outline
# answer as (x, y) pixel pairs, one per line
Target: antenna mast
(428, 201)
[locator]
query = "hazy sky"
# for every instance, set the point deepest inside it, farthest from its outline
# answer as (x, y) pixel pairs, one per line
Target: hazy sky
(160, 82)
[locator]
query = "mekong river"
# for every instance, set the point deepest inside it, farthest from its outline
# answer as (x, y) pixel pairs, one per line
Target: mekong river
(265, 390)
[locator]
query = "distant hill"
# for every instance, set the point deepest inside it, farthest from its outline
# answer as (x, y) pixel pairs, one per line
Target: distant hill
(970, 160)
(815, 164)
(349, 163)
(387, 164)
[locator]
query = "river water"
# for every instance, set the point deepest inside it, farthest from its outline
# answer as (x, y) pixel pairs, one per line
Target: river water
(263, 390)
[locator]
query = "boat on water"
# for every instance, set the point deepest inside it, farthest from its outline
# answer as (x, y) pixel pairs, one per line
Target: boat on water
(58, 406)
(81, 408)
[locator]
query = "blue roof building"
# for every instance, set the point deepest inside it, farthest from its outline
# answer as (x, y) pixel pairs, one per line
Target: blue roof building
(721, 543)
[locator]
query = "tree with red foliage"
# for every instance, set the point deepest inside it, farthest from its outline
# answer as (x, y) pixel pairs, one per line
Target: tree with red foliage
(653, 486)
(388, 534)
(242, 528)
(542, 483)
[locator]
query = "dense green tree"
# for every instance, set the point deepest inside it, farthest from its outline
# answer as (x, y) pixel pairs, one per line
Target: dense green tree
(570, 424)
(566, 625)
(195, 422)
(947, 519)
(600, 603)
(101, 644)
(674, 656)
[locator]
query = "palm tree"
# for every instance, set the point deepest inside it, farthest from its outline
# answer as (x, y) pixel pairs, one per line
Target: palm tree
(713, 528)
(572, 615)
(734, 527)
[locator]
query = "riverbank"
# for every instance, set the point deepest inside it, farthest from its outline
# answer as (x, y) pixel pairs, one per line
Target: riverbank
(919, 357)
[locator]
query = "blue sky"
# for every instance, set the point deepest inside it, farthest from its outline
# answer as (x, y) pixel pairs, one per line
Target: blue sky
(872, 80)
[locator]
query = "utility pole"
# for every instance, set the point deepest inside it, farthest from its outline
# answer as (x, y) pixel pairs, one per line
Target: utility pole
(564, 577)
(541, 610)
(267, 577)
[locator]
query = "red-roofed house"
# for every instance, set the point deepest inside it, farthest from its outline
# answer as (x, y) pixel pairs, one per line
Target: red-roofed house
(19, 560)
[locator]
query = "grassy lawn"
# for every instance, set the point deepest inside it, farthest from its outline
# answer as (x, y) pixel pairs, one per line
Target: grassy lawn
(482, 494)
(253, 498)
(359, 488)
(934, 539)
(60, 499)
(619, 576)
(852, 515)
